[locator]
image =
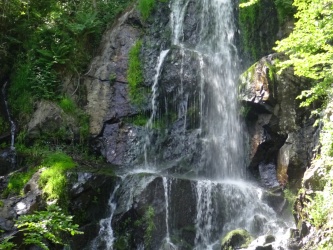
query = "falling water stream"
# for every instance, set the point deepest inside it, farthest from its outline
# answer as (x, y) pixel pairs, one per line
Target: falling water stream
(224, 199)
(12, 124)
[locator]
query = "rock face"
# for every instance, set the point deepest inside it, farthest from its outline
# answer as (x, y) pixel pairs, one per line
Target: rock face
(106, 80)
(281, 134)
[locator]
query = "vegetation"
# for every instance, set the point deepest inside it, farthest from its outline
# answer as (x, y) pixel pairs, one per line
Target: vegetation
(42, 42)
(53, 179)
(238, 238)
(17, 181)
(146, 7)
(46, 225)
(253, 16)
(309, 48)
(150, 226)
(4, 126)
(135, 74)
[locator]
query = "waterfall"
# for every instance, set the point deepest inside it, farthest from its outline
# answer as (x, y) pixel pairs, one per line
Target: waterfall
(106, 237)
(149, 124)
(195, 207)
(12, 124)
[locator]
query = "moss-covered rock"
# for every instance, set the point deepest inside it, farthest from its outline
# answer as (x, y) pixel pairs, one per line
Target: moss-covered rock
(238, 238)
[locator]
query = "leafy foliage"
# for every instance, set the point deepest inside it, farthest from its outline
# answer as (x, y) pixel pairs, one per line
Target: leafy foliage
(309, 47)
(46, 225)
(40, 42)
(5, 244)
(252, 16)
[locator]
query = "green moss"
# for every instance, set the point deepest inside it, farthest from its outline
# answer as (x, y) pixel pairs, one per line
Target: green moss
(146, 7)
(150, 226)
(135, 74)
(238, 238)
(112, 78)
(291, 197)
(53, 180)
(138, 120)
(17, 181)
(245, 110)
(247, 23)
(67, 105)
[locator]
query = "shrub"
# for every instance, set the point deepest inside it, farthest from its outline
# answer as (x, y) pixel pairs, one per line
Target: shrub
(46, 225)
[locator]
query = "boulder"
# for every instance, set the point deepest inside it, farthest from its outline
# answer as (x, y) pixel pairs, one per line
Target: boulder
(49, 119)
(238, 238)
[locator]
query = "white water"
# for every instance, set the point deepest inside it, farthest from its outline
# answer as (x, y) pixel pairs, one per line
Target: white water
(167, 241)
(106, 235)
(149, 124)
(12, 124)
(224, 200)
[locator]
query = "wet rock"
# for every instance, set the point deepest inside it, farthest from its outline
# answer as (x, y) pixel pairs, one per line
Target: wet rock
(258, 224)
(275, 200)
(89, 195)
(235, 239)
(269, 239)
(268, 247)
(122, 143)
(268, 175)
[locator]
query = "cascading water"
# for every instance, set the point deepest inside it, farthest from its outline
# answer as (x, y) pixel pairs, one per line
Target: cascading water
(12, 124)
(217, 198)
(12, 153)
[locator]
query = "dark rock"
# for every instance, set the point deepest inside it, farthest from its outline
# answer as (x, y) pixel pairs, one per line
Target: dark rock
(6, 161)
(89, 197)
(258, 224)
(269, 239)
(268, 247)
(275, 200)
(268, 175)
